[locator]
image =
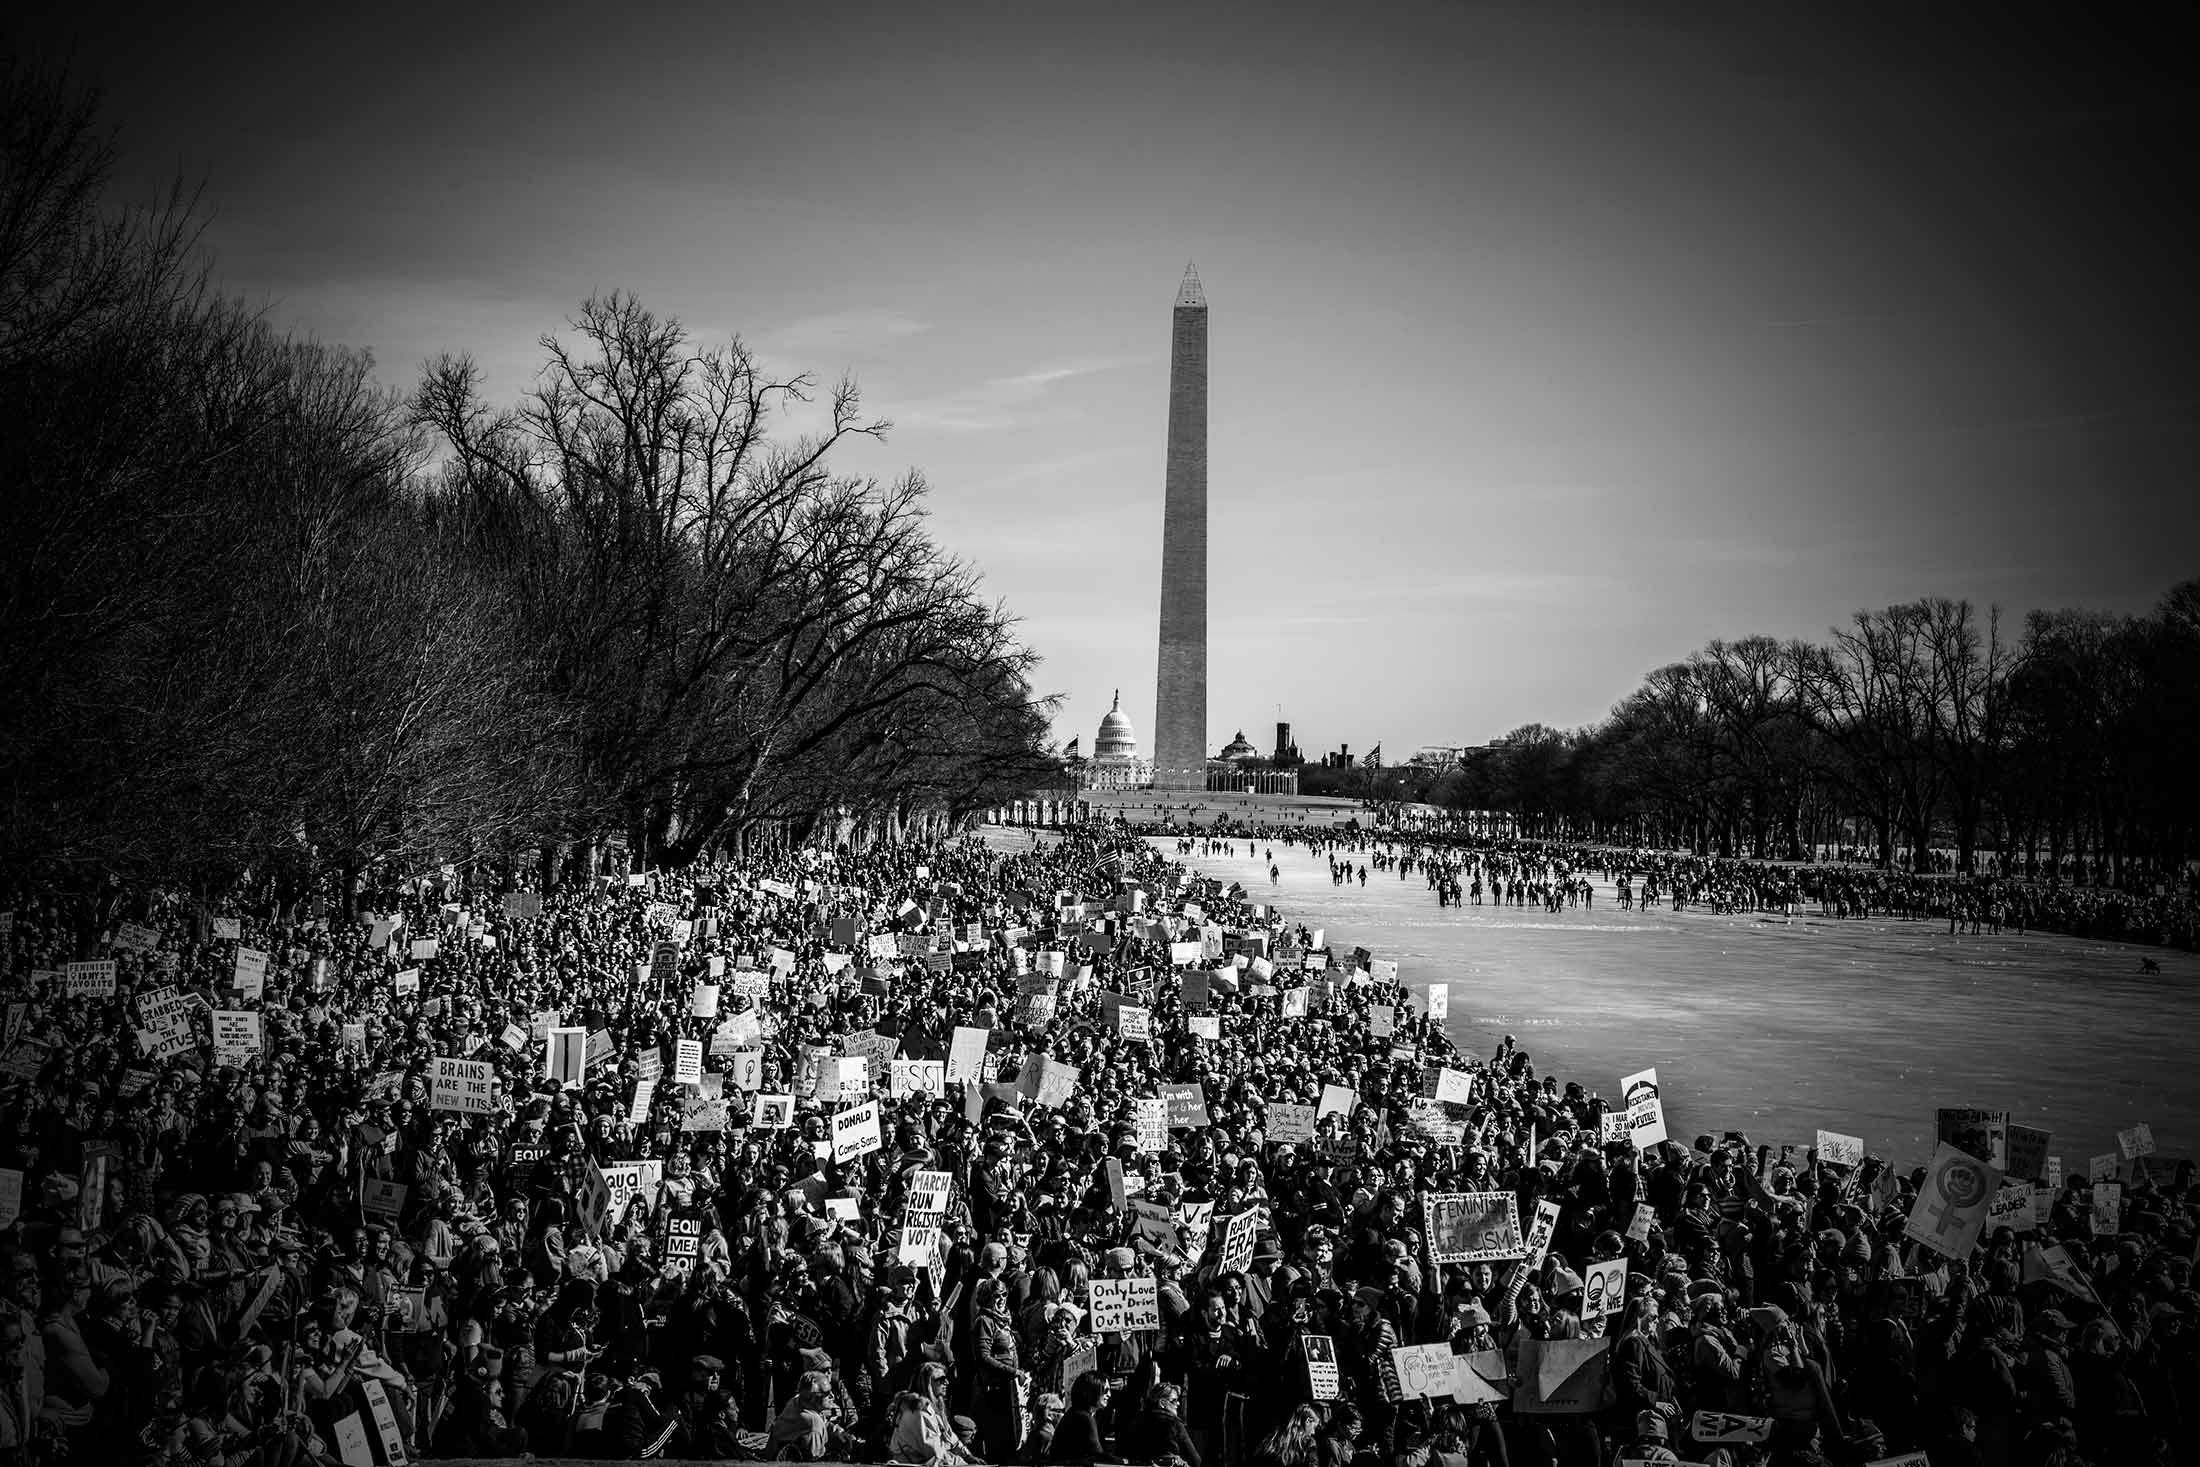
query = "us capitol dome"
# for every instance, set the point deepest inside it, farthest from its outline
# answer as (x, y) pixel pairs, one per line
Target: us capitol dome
(1115, 764)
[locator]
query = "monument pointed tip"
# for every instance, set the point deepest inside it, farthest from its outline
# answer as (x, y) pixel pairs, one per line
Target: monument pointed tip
(1189, 293)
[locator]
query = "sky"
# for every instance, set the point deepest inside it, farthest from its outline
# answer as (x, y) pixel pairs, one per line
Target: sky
(1547, 341)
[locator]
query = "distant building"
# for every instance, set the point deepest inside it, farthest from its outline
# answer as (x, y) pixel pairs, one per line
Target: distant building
(1114, 764)
(1287, 752)
(1240, 769)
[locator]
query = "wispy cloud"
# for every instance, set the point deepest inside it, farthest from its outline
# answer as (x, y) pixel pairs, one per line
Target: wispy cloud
(1003, 402)
(844, 332)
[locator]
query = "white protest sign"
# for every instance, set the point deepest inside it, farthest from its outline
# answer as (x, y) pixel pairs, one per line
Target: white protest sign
(856, 1132)
(1473, 1227)
(916, 1077)
(1645, 1111)
(1839, 1149)
(1540, 1232)
(250, 974)
(1321, 1366)
(1715, 1427)
(1603, 1288)
(1337, 1100)
(1439, 1000)
(966, 1055)
(2136, 1142)
(236, 1037)
(1122, 1305)
(1639, 1226)
(1951, 1206)
(703, 1003)
(1152, 1125)
(773, 1112)
(1454, 1087)
(463, 1085)
(1134, 1022)
(90, 980)
(687, 1062)
(1289, 1122)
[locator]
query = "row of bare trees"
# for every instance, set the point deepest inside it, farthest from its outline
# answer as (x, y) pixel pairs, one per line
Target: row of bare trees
(259, 613)
(1917, 728)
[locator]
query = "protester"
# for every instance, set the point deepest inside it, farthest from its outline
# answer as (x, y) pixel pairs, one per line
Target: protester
(476, 1170)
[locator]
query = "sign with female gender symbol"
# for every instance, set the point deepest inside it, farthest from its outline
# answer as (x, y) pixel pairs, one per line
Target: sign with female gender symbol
(1952, 1205)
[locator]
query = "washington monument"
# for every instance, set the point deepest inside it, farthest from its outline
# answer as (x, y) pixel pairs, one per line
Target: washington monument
(1180, 704)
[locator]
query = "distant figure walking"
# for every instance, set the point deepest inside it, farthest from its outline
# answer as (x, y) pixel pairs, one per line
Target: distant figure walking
(2149, 965)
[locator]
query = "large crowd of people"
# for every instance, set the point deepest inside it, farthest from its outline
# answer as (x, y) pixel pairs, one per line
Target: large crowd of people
(962, 1154)
(1469, 870)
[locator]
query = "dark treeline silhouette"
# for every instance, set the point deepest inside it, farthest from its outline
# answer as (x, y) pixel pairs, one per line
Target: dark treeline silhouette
(1925, 735)
(263, 615)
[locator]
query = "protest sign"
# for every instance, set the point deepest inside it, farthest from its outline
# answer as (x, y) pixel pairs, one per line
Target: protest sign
(1423, 1370)
(2136, 1142)
(1439, 1001)
(1603, 1288)
(1289, 1122)
(773, 1112)
(2011, 1208)
(1560, 1377)
(1134, 1022)
(1322, 1380)
(2027, 1153)
(90, 980)
(1203, 1026)
(565, 1057)
(966, 1055)
(379, 1198)
(229, 929)
(2107, 1216)
(1645, 1111)
(1454, 1087)
(2102, 1167)
(1123, 1305)
(1337, 1100)
(11, 1195)
(462, 1085)
(683, 1243)
(1540, 1232)
(424, 948)
(1187, 1105)
(687, 1062)
(1473, 1227)
(1980, 1134)
(645, 1096)
(1714, 1427)
(856, 1132)
(1638, 1228)
(917, 1077)
(927, 1197)
(1151, 1118)
(236, 1037)
(1237, 1243)
(703, 1113)
(1294, 1007)
(249, 976)
(1951, 1206)
(1839, 1149)
(385, 1421)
